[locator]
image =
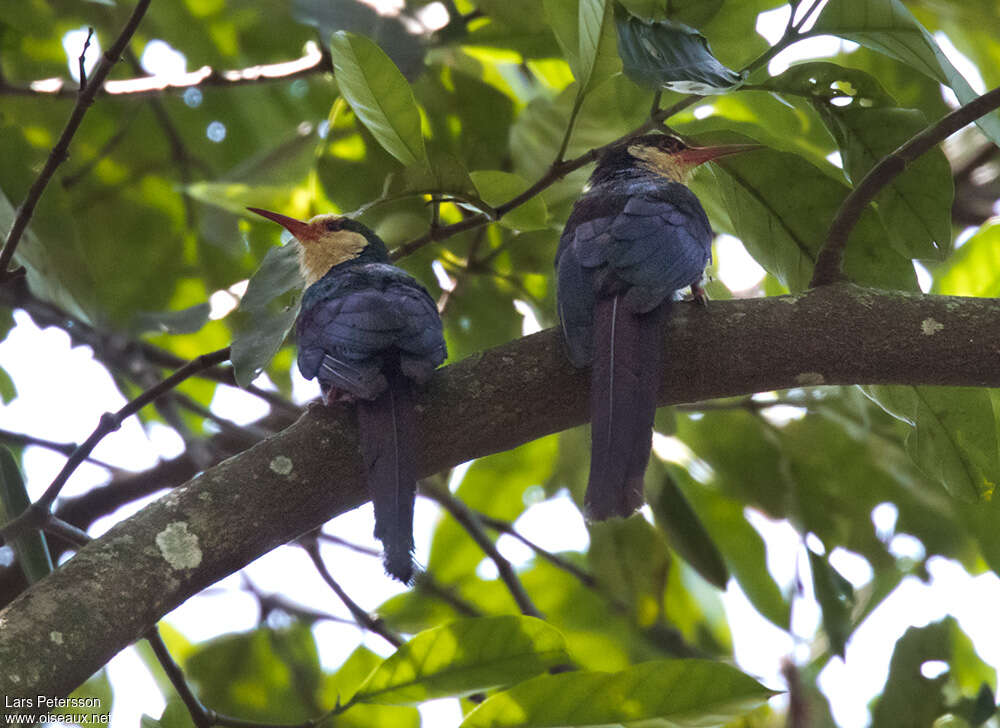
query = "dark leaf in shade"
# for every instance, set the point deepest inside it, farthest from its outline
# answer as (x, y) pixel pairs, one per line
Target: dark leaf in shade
(686, 533)
(666, 54)
(267, 312)
(186, 321)
(836, 598)
(31, 550)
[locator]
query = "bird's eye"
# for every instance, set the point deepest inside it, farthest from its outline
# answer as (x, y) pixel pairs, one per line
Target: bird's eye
(332, 225)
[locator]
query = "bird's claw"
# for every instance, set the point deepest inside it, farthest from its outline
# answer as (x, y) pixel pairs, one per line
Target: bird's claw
(699, 295)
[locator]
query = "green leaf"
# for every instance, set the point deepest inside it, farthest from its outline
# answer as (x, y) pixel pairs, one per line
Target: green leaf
(630, 559)
(236, 197)
(342, 685)
(266, 312)
(783, 225)
(277, 275)
(916, 206)
(584, 31)
(30, 547)
(911, 699)
(973, 269)
(686, 532)
(836, 598)
(255, 346)
(464, 657)
(96, 688)
(683, 692)
(443, 175)
(185, 321)
(826, 81)
(498, 187)
(666, 54)
(954, 435)
(379, 95)
(8, 390)
(266, 675)
(888, 27)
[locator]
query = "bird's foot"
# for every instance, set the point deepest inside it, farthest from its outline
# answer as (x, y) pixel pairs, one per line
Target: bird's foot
(699, 295)
(332, 395)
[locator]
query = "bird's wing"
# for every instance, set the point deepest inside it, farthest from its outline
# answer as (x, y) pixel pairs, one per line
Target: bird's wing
(356, 318)
(645, 245)
(660, 243)
(582, 248)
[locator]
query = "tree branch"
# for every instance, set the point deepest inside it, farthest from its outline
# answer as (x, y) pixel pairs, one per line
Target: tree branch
(60, 151)
(290, 484)
(829, 261)
(313, 62)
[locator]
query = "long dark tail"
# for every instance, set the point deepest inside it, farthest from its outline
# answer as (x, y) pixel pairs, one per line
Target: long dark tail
(624, 382)
(387, 444)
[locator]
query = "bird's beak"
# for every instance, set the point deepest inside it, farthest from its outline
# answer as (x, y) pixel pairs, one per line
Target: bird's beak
(297, 228)
(693, 156)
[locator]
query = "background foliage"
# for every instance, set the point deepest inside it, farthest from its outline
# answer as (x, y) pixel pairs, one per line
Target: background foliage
(443, 122)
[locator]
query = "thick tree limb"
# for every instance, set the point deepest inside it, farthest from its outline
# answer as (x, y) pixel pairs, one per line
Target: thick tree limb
(64, 628)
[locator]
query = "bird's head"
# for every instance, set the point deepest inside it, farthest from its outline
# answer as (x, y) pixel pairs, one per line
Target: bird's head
(662, 155)
(328, 240)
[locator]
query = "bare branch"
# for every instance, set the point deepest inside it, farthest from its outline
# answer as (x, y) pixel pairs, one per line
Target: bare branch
(60, 151)
(38, 513)
(364, 620)
(315, 61)
(474, 527)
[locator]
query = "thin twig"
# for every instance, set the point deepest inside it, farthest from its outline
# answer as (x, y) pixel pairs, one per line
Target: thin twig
(364, 620)
(60, 151)
(497, 524)
(425, 581)
(38, 513)
(330, 538)
(200, 716)
(474, 527)
(110, 422)
(269, 602)
(66, 531)
(64, 448)
(829, 262)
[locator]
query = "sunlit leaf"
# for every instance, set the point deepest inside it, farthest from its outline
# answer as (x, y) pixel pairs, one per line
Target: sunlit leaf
(954, 435)
(463, 657)
(585, 33)
(8, 390)
(887, 26)
(379, 95)
(681, 692)
(974, 269)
